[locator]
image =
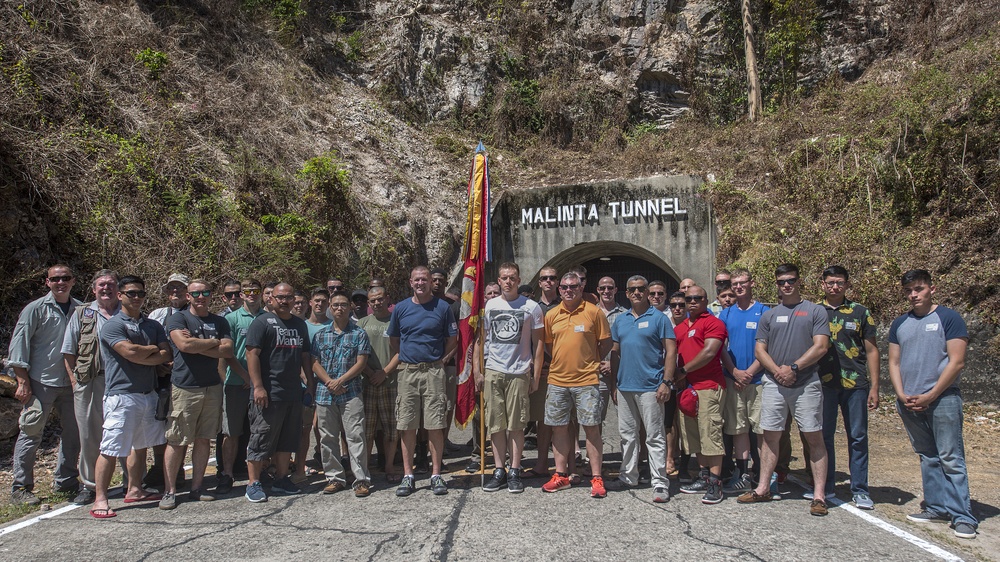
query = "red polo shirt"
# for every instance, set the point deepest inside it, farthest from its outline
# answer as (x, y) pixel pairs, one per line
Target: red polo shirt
(691, 335)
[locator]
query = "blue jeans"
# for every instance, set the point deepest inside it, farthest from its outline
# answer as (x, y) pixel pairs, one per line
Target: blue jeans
(936, 436)
(853, 403)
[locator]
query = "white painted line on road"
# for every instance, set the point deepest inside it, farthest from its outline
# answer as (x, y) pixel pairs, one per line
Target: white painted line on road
(885, 526)
(33, 520)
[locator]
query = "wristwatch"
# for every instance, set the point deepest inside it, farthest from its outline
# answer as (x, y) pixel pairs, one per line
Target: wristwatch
(795, 368)
(670, 384)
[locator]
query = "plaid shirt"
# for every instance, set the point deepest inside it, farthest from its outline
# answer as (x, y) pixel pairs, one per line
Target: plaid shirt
(337, 353)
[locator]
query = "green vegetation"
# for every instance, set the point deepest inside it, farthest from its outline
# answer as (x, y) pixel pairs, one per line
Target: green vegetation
(154, 61)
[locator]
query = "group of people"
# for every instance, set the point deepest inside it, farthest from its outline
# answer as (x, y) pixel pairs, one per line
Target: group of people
(717, 382)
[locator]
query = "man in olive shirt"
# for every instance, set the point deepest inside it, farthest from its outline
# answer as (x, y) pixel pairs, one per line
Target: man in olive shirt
(380, 388)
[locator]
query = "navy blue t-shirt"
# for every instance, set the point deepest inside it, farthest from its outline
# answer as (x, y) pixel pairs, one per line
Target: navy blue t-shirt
(422, 329)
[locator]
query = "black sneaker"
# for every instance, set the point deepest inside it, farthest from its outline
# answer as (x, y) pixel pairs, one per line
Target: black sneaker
(498, 481)
(473, 466)
(154, 477)
(85, 497)
(21, 496)
(713, 491)
(438, 485)
(223, 484)
(406, 487)
(699, 486)
(684, 476)
(644, 477)
(514, 484)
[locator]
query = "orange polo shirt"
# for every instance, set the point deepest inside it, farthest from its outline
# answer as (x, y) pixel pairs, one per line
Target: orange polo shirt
(574, 336)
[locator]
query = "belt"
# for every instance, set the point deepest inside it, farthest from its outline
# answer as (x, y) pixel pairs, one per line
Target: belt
(423, 366)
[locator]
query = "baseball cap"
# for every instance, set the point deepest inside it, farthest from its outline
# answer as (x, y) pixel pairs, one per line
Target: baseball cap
(687, 402)
(177, 278)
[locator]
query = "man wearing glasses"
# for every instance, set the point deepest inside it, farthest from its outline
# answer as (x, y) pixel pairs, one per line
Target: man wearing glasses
(199, 339)
(380, 388)
(791, 339)
(657, 296)
(236, 392)
(232, 297)
(607, 290)
(643, 357)
(548, 284)
(744, 374)
(699, 350)
(132, 346)
(43, 384)
(577, 336)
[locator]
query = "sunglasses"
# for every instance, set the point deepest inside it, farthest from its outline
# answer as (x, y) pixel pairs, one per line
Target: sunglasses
(135, 294)
(606, 288)
(232, 294)
(693, 298)
(547, 278)
(657, 293)
(334, 287)
(639, 289)
(783, 282)
(677, 305)
(60, 279)
(569, 287)
(283, 298)
(249, 292)
(205, 293)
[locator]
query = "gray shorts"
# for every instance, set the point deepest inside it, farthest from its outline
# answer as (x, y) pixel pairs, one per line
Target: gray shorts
(804, 402)
(274, 429)
(561, 400)
(235, 404)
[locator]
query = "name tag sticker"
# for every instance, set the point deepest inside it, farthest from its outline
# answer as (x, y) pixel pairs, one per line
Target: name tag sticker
(751, 325)
(691, 333)
(851, 325)
(781, 319)
(931, 327)
(577, 328)
(643, 325)
(385, 334)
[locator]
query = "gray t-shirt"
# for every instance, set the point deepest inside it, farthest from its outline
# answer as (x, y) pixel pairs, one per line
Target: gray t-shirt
(789, 331)
(508, 333)
(923, 346)
(122, 376)
(281, 344)
(194, 370)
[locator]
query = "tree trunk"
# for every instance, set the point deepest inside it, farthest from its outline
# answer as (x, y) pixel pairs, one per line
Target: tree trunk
(753, 93)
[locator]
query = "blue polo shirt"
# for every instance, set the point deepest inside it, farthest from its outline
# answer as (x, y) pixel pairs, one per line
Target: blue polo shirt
(742, 328)
(422, 329)
(641, 343)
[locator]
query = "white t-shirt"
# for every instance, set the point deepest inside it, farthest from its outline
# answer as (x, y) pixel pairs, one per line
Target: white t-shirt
(508, 333)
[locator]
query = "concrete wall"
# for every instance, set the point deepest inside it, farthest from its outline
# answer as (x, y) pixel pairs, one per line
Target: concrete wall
(663, 220)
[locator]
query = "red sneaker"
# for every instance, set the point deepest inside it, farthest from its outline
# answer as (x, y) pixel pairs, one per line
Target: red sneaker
(556, 483)
(597, 487)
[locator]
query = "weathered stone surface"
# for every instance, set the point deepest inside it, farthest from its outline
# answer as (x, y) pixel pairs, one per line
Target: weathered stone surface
(10, 410)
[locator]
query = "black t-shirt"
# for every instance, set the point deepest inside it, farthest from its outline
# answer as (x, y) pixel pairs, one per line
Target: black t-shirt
(194, 370)
(65, 306)
(281, 344)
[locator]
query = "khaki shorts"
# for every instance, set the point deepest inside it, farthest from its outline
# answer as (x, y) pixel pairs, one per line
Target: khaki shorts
(506, 401)
(741, 408)
(703, 435)
(451, 372)
(536, 400)
(422, 389)
(195, 413)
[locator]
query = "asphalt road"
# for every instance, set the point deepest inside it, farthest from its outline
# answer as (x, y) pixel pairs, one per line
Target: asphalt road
(467, 524)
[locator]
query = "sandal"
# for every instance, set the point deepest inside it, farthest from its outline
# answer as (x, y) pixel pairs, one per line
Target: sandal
(532, 473)
(672, 472)
(149, 497)
(575, 479)
(105, 513)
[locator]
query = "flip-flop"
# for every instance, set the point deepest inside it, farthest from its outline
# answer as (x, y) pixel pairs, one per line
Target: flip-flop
(151, 497)
(103, 513)
(532, 473)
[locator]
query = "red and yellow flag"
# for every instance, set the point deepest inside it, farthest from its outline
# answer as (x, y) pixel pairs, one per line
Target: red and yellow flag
(477, 251)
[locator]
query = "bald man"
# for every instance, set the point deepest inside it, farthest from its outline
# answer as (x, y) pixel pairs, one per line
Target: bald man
(686, 284)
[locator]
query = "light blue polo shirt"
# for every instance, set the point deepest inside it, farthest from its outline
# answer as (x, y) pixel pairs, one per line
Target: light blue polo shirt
(742, 328)
(641, 345)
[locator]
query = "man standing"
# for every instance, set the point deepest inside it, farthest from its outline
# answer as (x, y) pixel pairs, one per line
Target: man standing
(232, 296)
(81, 349)
(657, 296)
(699, 351)
(439, 284)
(199, 340)
(422, 332)
(237, 389)
(744, 374)
(791, 339)
(43, 384)
(926, 356)
(380, 389)
(607, 292)
(548, 285)
(132, 346)
(723, 282)
(277, 361)
(339, 354)
(514, 352)
(643, 356)
(577, 336)
(850, 381)
(686, 284)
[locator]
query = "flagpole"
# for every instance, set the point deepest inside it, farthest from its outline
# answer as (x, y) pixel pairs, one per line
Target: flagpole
(482, 408)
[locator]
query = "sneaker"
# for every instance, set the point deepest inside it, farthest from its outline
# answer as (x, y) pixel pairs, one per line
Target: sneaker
(498, 481)
(223, 484)
(438, 485)
(713, 492)
(285, 487)
(201, 496)
(773, 487)
(818, 507)
(617, 484)
(863, 501)
(21, 496)
(86, 496)
(362, 489)
(753, 497)
(661, 495)
(965, 530)
(333, 486)
(255, 492)
(810, 495)
(927, 517)
(473, 466)
(514, 484)
(450, 447)
(154, 477)
(698, 486)
(597, 487)
(644, 477)
(406, 487)
(556, 483)
(738, 484)
(168, 501)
